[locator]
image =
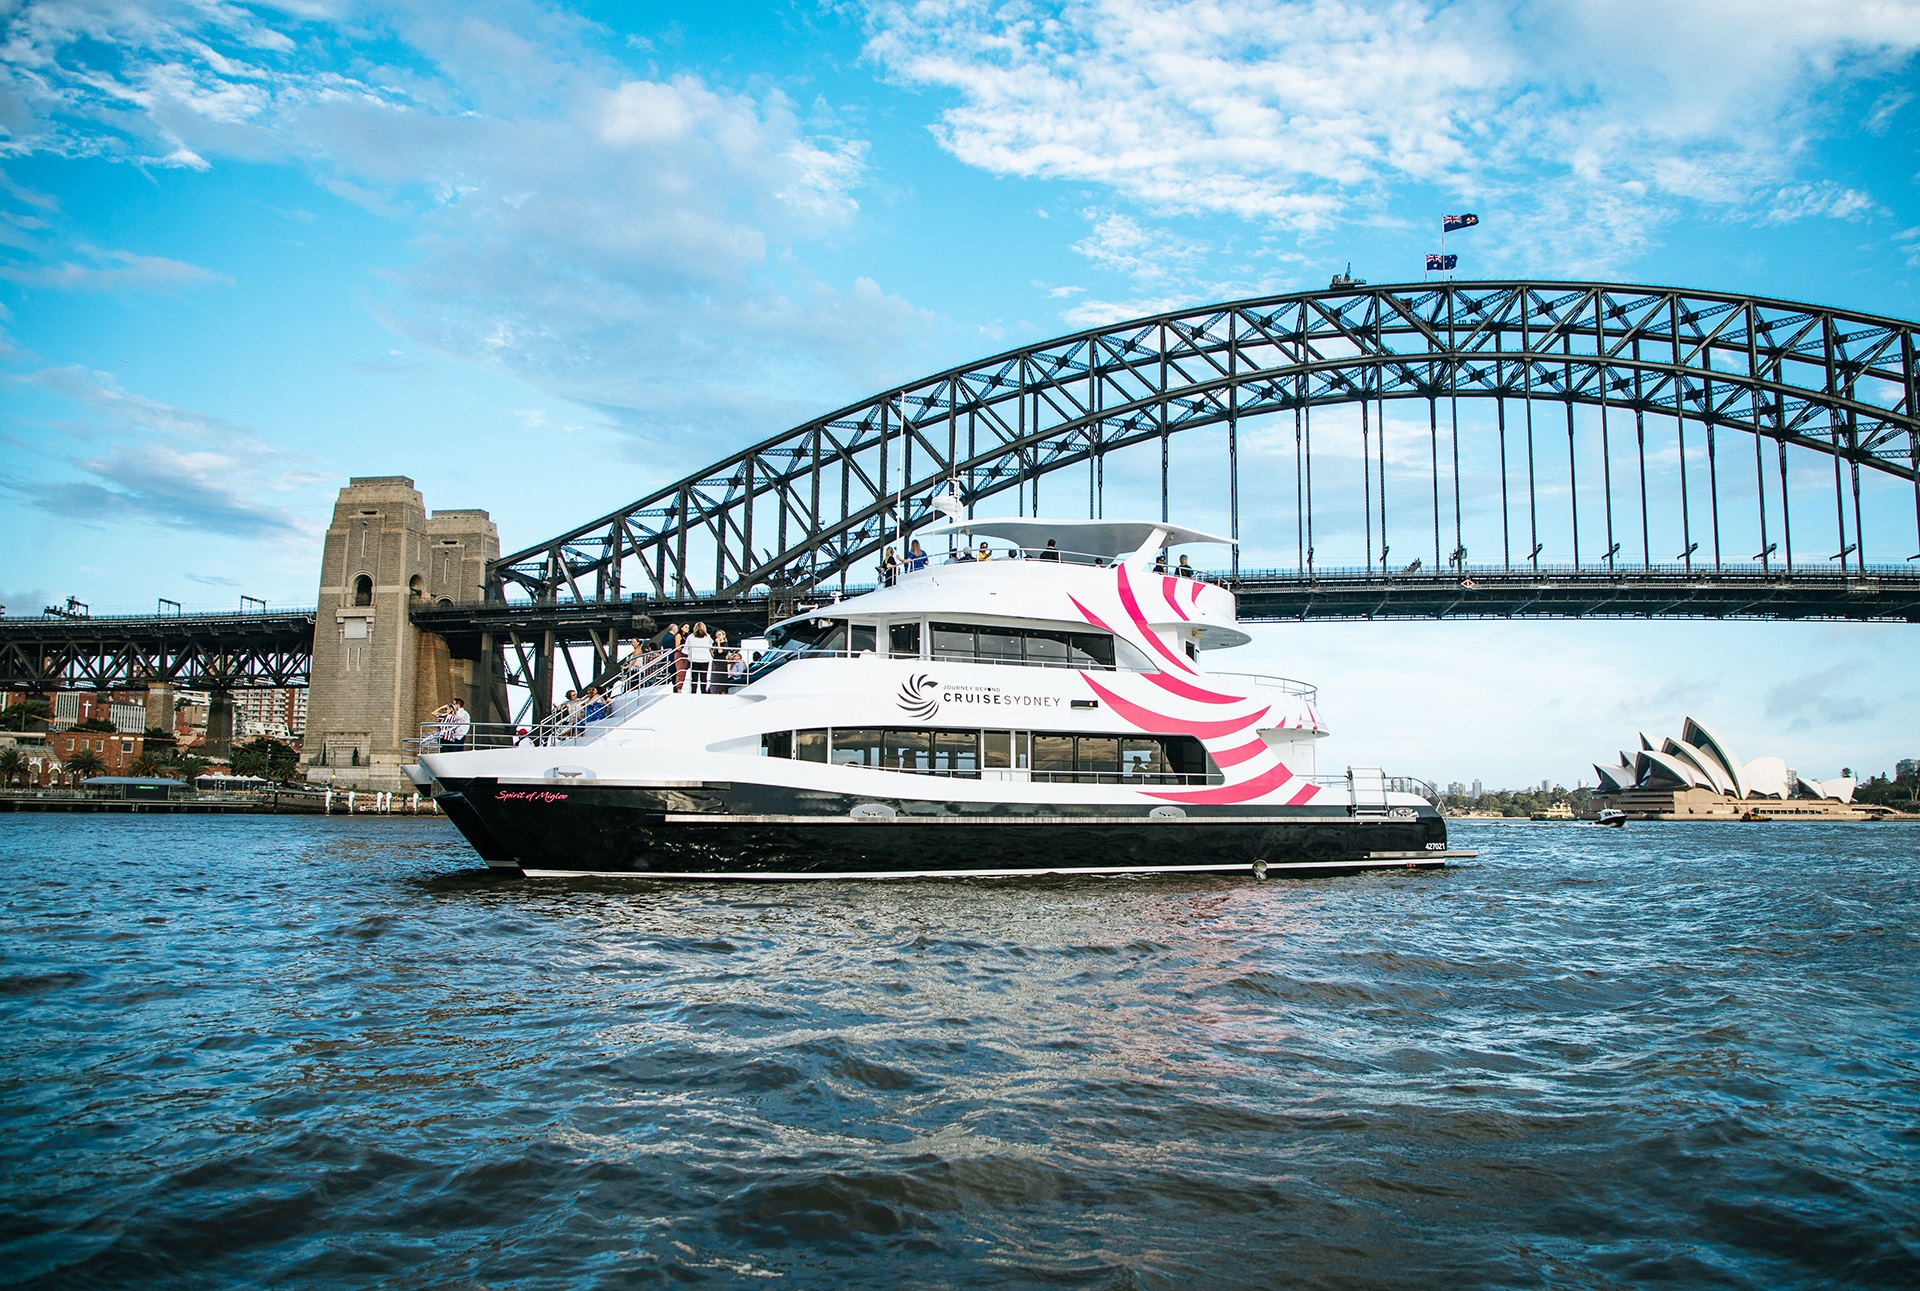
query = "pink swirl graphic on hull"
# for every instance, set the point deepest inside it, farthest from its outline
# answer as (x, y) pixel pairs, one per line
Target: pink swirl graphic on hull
(1132, 607)
(1161, 724)
(1187, 690)
(1258, 787)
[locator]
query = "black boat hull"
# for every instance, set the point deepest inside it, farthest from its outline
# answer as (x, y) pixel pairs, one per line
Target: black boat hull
(744, 831)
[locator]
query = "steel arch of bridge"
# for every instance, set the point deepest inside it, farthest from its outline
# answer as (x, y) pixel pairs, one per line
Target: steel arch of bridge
(808, 505)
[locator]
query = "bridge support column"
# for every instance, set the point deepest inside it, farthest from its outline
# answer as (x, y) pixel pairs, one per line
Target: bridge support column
(219, 743)
(376, 677)
(160, 696)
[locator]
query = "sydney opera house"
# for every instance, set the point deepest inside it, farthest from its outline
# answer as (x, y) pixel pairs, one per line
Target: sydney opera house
(1698, 775)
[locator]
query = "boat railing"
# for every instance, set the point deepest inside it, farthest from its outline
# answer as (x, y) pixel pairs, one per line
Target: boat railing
(1001, 555)
(1366, 788)
(641, 683)
(1053, 777)
(779, 658)
(1288, 685)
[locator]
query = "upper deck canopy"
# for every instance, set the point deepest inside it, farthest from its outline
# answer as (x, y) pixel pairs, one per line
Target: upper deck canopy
(1109, 538)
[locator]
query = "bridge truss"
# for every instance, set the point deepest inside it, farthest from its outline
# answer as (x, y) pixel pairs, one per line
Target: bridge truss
(787, 516)
(220, 652)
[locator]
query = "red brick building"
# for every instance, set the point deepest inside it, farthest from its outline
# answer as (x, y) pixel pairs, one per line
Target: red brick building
(115, 749)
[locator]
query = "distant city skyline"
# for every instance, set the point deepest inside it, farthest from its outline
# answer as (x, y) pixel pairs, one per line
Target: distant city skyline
(544, 258)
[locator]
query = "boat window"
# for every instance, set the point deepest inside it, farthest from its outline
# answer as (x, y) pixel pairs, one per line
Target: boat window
(998, 645)
(1187, 756)
(907, 750)
(1088, 650)
(952, 641)
(1142, 757)
(792, 641)
(997, 749)
(903, 640)
(1058, 756)
(861, 637)
(987, 643)
(1048, 648)
(1053, 753)
(956, 750)
(1097, 753)
(856, 746)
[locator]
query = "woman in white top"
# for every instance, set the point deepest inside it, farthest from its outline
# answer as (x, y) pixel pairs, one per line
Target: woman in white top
(699, 659)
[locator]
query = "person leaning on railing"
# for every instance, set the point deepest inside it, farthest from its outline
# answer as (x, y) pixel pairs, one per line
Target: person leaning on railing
(454, 726)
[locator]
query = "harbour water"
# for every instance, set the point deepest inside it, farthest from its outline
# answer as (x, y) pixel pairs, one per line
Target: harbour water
(335, 1053)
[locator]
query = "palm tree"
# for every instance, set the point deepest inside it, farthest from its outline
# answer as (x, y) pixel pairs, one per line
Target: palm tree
(11, 765)
(83, 764)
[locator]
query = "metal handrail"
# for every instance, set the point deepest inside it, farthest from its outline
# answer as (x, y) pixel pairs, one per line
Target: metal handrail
(1291, 686)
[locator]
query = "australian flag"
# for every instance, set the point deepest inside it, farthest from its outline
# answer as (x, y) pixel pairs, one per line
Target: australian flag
(1454, 223)
(1442, 262)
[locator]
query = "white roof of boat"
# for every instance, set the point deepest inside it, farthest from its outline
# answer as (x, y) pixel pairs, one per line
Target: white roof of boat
(1088, 537)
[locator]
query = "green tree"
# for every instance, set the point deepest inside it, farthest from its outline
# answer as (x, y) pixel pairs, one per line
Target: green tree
(84, 764)
(95, 724)
(12, 765)
(148, 763)
(265, 757)
(20, 716)
(156, 738)
(249, 762)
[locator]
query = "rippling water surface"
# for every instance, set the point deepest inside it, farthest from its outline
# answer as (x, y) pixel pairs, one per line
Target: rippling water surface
(333, 1053)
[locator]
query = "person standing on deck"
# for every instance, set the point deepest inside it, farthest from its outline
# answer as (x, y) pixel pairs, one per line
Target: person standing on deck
(699, 659)
(454, 726)
(679, 656)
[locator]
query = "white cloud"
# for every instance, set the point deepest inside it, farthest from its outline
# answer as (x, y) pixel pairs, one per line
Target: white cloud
(98, 269)
(1590, 120)
(129, 457)
(629, 243)
(1804, 201)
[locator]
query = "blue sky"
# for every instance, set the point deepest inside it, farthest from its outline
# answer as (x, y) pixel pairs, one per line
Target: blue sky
(542, 259)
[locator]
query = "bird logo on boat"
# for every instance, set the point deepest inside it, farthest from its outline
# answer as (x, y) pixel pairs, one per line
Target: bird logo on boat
(917, 698)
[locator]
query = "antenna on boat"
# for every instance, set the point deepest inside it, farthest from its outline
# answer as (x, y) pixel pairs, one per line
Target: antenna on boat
(949, 505)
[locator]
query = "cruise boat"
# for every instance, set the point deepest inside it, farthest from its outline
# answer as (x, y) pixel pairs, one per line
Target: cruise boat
(1034, 700)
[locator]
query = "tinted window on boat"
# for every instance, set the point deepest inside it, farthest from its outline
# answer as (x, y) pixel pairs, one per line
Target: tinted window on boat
(857, 746)
(1097, 753)
(810, 746)
(991, 643)
(956, 750)
(1052, 752)
(907, 750)
(903, 640)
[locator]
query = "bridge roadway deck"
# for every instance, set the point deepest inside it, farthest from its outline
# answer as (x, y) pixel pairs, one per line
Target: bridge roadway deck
(256, 651)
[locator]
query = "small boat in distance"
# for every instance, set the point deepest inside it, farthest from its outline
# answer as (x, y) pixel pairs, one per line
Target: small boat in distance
(1039, 708)
(1611, 816)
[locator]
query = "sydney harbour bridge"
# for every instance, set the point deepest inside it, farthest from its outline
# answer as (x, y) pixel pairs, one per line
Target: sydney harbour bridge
(1433, 450)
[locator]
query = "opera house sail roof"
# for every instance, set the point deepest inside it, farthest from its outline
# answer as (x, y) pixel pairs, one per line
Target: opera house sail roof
(1701, 759)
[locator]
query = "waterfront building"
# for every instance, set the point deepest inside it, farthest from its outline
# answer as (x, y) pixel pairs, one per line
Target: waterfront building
(117, 750)
(1697, 776)
(41, 764)
(127, 712)
(1906, 767)
(276, 714)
